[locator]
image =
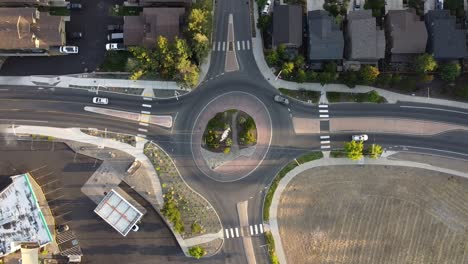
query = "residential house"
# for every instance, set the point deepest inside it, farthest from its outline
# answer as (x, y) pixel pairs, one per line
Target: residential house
(144, 30)
(26, 31)
(406, 35)
(26, 3)
(365, 43)
(326, 41)
(287, 26)
(160, 3)
(447, 40)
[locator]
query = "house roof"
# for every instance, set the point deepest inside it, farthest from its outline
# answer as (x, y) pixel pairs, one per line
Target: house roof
(287, 25)
(26, 28)
(445, 40)
(24, 1)
(407, 32)
(143, 30)
(325, 37)
(366, 42)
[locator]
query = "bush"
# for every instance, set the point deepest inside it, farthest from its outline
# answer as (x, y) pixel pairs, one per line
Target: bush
(300, 76)
(333, 97)
(374, 97)
(384, 79)
(354, 149)
(462, 91)
(197, 252)
(369, 74)
(350, 78)
(271, 247)
(196, 228)
(311, 76)
(249, 124)
(424, 63)
(227, 150)
(172, 213)
(228, 142)
(449, 72)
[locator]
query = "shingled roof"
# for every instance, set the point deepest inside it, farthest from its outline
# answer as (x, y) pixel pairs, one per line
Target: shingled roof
(325, 37)
(287, 25)
(365, 41)
(408, 34)
(26, 28)
(143, 30)
(445, 40)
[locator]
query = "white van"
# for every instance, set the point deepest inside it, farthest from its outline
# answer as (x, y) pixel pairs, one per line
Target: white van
(115, 36)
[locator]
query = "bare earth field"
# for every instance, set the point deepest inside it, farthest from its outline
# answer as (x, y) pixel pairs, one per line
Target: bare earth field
(374, 214)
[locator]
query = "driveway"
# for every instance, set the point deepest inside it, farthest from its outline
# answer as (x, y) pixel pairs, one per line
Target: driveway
(393, 5)
(92, 21)
(315, 5)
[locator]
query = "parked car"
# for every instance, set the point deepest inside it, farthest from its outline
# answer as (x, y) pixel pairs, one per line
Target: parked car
(357, 5)
(280, 99)
(115, 36)
(115, 46)
(74, 6)
(266, 8)
(69, 49)
(115, 28)
(135, 228)
(362, 137)
(62, 228)
(75, 35)
(100, 100)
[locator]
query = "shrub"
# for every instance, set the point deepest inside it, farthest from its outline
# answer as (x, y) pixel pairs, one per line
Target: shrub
(300, 76)
(462, 91)
(369, 74)
(384, 79)
(172, 213)
(249, 124)
(350, 78)
(271, 247)
(197, 252)
(449, 72)
(375, 151)
(311, 76)
(374, 97)
(333, 97)
(228, 142)
(196, 228)
(424, 63)
(354, 149)
(227, 150)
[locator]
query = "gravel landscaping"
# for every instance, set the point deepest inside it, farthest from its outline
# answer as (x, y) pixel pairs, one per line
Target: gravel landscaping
(124, 138)
(192, 207)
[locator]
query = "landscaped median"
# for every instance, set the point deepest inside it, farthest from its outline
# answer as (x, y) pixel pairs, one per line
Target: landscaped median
(189, 214)
(271, 191)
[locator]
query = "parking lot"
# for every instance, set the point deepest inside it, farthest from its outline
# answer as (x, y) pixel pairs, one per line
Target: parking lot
(61, 175)
(92, 21)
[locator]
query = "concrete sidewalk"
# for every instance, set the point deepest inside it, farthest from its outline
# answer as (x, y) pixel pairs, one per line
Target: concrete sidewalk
(391, 97)
(335, 162)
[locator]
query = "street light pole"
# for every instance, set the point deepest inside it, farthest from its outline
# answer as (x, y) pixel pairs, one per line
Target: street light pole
(277, 76)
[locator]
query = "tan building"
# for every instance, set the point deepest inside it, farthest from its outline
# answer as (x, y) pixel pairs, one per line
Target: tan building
(144, 30)
(26, 30)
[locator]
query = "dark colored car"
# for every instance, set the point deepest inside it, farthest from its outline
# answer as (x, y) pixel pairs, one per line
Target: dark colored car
(75, 35)
(62, 228)
(74, 6)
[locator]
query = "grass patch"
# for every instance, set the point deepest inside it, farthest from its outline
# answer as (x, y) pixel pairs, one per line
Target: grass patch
(125, 10)
(370, 97)
(302, 95)
(274, 184)
(270, 241)
(338, 153)
(115, 61)
(59, 11)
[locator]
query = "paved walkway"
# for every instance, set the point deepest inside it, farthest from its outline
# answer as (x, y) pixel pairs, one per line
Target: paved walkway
(335, 162)
(257, 48)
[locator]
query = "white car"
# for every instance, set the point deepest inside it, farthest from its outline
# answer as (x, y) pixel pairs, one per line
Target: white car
(100, 100)
(363, 137)
(69, 49)
(115, 46)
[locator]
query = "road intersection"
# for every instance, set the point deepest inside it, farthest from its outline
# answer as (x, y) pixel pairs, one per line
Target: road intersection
(65, 108)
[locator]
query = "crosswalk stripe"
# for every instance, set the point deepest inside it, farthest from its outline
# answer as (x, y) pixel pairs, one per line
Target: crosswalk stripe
(325, 142)
(214, 46)
(324, 137)
(261, 225)
(146, 112)
(238, 45)
(142, 130)
(227, 233)
(251, 230)
(219, 46)
(324, 116)
(237, 232)
(248, 45)
(144, 124)
(323, 111)
(323, 106)
(140, 135)
(232, 232)
(325, 147)
(146, 105)
(224, 45)
(256, 230)
(243, 45)
(147, 99)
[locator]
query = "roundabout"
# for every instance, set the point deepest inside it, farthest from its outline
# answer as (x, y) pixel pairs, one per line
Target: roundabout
(239, 160)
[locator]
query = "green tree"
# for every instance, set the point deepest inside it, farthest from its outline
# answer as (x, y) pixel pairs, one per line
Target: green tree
(137, 75)
(164, 58)
(188, 73)
(311, 76)
(424, 63)
(228, 142)
(299, 62)
(354, 149)
(373, 97)
(264, 22)
(287, 69)
(281, 49)
(375, 151)
(376, 6)
(369, 74)
(300, 76)
(200, 46)
(197, 252)
(326, 77)
(272, 58)
(350, 78)
(330, 67)
(198, 21)
(449, 72)
(384, 79)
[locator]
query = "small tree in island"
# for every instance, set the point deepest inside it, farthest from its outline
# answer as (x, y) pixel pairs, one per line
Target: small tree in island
(197, 252)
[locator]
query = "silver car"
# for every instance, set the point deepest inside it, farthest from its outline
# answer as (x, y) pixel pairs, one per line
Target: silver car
(100, 100)
(69, 49)
(280, 99)
(362, 137)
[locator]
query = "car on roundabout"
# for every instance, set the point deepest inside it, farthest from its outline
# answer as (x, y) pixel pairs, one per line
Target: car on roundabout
(280, 99)
(362, 137)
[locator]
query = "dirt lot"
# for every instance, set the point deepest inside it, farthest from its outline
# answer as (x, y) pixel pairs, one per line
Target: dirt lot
(374, 214)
